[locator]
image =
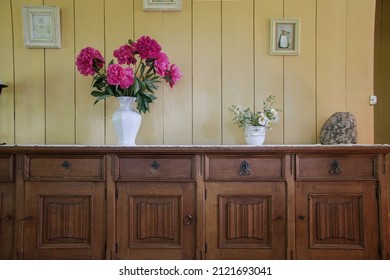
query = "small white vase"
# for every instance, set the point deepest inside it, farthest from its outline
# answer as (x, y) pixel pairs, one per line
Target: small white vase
(126, 120)
(254, 135)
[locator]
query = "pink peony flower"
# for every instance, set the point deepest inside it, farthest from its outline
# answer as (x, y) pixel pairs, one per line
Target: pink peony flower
(161, 63)
(116, 75)
(86, 59)
(173, 75)
(147, 47)
(125, 54)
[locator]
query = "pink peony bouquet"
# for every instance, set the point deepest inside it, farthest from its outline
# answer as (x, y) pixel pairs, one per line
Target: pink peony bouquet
(141, 66)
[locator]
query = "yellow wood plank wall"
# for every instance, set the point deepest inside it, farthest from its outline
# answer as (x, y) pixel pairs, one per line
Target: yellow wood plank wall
(222, 48)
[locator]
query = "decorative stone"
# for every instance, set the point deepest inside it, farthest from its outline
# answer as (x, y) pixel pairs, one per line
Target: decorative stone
(340, 128)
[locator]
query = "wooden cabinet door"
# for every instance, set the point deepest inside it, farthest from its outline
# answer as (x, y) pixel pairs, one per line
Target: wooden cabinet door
(64, 220)
(245, 220)
(7, 219)
(156, 220)
(337, 220)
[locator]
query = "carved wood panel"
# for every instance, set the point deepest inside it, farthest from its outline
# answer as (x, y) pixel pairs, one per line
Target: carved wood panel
(64, 220)
(245, 220)
(155, 221)
(152, 219)
(337, 220)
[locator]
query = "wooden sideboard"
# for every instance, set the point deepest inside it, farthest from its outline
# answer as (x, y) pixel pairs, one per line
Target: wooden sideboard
(194, 202)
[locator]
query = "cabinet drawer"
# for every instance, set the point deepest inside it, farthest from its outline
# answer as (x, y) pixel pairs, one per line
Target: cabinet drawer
(335, 167)
(221, 168)
(6, 168)
(159, 168)
(86, 168)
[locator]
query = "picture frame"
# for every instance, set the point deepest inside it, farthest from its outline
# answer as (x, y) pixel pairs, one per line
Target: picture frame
(285, 36)
(162, 5)
(41, 26)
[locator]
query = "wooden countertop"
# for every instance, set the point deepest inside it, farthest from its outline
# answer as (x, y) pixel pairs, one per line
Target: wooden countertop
(185, 149)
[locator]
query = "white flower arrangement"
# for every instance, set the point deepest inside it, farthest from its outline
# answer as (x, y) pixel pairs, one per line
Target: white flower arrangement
(246, 117)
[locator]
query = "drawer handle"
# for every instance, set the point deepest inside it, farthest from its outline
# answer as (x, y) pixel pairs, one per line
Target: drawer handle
(245, 169)
(335, 168)
(189, 220)
(302, 217)
(155, 165)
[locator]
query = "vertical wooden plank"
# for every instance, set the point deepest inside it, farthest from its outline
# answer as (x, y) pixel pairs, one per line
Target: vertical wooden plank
(176, 42)
(6, 75)
(89, 32)
(59, 77)
(152, 125)
(382, 70)
(379, 132)
(207, 72)
(29, 84)
(331, 32)
(359, 63)
(237, 64)
(118, 13)
(268, 69)
(300, 77)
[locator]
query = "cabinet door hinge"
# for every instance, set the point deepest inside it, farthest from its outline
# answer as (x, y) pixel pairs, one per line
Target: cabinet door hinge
(205, 248)
(205, 194)
(116, 248)
(116, 193)
(105, 194)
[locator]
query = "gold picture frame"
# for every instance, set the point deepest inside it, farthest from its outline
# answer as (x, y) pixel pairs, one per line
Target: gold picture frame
(162, 5)
(41, 26)
(285, 36)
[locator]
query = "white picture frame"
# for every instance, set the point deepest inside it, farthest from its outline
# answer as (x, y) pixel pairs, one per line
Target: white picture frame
(162, 5)
(41, 26)
(285, 36)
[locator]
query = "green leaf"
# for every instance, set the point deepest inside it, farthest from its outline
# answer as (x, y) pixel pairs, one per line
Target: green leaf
(101, 98)
(96, 93)
(136, 85)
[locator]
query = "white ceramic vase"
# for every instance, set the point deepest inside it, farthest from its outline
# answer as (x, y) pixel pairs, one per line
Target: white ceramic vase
(126, 120)
(254, 135)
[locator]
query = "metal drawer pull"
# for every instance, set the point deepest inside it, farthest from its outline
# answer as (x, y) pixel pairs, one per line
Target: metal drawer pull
(189, 220)
(301, 217)
(245, 169)
(155, 165)
(335, 168)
